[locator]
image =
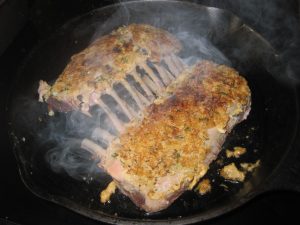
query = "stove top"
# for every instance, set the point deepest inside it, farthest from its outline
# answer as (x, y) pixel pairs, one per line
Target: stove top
(37, 19)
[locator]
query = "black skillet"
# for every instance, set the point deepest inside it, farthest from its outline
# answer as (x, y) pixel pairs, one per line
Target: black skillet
(270, 133)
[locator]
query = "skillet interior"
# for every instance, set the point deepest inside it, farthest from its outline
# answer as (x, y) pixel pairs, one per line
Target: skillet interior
(270, 126)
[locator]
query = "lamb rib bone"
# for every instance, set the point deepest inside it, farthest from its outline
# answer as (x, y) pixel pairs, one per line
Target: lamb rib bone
(118, 124)
(165, 75)
(102, 134)
(123, 105)
(171, 66)
(95, 149)
(151, 74)
(137, 77)
(133, 93)
(178, 62)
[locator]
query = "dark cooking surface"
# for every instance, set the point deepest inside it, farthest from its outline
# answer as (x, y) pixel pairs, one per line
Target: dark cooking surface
(21, 206)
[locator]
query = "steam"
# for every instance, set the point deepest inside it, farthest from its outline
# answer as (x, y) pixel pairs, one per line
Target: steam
(200, 48)
(68, 157)
(278, 22)
(55, 140)
(66, 131)
(201, 36)
(196, 45)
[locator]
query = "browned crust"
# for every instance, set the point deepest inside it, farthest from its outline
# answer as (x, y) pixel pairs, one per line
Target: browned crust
(172, 137)
(110, 58)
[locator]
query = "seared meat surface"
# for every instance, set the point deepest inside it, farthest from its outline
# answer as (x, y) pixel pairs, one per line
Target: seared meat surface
(164, 154)
(108, 60)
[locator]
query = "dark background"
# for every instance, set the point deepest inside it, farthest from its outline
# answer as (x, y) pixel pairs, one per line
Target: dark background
(24, 23)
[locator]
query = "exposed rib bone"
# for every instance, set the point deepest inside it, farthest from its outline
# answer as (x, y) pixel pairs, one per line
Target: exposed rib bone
(85, 109)
(113, 117)
(103, 134)
(164, 74)
(125, 108)
(145, 100)
(93, 148)
(178, 62)
(152, 75)
(171, 66)
(86, 113)
(143, 85)
(150, 84)
(133, 94)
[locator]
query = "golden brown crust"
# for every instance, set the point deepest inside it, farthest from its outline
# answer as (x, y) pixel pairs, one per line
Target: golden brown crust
(172, 137)
(249, 167)
(237, 152)
(231, 172)
(107, 192)
(110, 58)
(204, 187)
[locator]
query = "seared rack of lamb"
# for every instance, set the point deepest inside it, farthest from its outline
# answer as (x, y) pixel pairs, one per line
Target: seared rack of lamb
(175, 118)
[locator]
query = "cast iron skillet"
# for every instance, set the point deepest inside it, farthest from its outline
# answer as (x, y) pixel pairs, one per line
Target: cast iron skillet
(270, 133)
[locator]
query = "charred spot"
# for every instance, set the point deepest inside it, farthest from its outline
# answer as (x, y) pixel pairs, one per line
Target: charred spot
(127, 45)
(117, 49)
(214, 101)
(171, 117)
